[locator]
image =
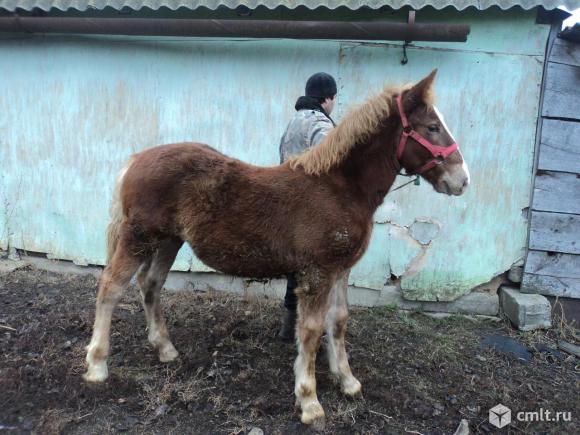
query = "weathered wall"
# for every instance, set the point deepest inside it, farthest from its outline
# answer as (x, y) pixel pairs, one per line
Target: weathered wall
(72, 109)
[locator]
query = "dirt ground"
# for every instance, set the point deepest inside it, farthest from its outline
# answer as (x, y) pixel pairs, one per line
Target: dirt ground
(420, 375)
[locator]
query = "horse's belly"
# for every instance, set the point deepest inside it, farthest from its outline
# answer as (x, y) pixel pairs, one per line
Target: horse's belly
(251, 262)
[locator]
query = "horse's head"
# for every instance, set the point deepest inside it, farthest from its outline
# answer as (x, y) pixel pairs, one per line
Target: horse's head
(426, 146)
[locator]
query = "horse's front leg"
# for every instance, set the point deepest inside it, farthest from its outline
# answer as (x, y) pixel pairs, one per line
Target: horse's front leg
(312, 309)
(336, 321)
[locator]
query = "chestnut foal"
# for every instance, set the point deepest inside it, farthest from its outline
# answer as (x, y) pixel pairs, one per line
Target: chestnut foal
(311, 216)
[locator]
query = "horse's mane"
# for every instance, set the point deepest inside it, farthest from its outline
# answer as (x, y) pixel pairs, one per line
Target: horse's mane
(358, 125)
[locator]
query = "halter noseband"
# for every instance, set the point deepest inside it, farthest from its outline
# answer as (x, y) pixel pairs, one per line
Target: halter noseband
(439, 153)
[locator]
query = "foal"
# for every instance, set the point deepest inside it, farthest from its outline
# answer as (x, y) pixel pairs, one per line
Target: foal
(311, 216)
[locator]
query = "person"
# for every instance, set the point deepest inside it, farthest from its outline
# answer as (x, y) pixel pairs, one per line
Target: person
(309, 126)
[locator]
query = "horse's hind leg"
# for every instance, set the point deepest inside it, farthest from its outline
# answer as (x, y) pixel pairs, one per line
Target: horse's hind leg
(336, 321)
(113, 281)
(150, 278)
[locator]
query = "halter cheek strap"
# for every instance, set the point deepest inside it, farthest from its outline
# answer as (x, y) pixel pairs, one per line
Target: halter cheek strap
(439, 153)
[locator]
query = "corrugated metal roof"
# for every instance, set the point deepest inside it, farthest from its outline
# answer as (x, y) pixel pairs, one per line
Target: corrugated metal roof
(83, 5)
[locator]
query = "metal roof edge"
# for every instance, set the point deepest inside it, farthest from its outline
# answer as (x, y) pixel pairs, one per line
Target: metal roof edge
(136, 5)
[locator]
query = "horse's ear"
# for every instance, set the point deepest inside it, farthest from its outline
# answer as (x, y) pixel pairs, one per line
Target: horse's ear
(421, 92)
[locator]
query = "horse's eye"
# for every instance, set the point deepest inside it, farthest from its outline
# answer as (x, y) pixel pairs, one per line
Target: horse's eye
(434, 128)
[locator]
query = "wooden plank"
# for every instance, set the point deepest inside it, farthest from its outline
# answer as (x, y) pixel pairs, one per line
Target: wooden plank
(565, 52)
(555, 232)
(553, 264)
(551, 286)
(560, 146)
(562, 92)
(557, 191)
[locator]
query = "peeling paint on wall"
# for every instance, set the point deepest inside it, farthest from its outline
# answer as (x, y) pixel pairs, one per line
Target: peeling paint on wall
(424, 230)
(408, 258)
(404, 249)
(373, 270)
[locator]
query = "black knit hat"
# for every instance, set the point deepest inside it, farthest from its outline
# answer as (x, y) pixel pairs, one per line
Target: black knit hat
(321, 85)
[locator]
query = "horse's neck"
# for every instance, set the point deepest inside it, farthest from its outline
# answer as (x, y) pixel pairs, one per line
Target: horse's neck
(371, 169)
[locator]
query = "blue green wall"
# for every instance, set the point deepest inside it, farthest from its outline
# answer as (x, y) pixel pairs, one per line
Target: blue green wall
(72, 110)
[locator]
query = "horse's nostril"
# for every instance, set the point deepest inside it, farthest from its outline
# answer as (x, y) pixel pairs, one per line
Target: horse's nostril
(447, 187)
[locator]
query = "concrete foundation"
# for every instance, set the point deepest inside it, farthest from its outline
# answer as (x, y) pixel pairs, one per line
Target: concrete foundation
(478, 303)
(526, 311)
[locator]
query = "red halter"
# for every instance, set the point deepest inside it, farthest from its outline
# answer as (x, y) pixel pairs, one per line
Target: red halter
(439, 153)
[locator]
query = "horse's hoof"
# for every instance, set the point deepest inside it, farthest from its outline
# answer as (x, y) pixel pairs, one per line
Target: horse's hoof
(168, 354)
(352, 388)
(317, 424)
(313, 416)
(96, 372)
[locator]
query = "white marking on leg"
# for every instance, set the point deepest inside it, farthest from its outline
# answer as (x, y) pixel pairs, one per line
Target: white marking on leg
(335, 324)
(161, 342)
(98, 348)
(97, 371)
(305, 381)
(111, 287)
(332, 351)
(332, 355)
(167, 352)
(151, 285)
(305, 390)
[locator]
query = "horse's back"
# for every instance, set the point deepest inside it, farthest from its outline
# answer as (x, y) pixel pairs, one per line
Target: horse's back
(155, 181)
(172, 158)
(169, 180)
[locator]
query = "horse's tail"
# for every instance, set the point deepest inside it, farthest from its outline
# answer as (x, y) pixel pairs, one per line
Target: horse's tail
(114, 227)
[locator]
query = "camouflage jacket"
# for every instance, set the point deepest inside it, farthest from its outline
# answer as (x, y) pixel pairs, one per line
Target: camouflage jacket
(307, 128)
